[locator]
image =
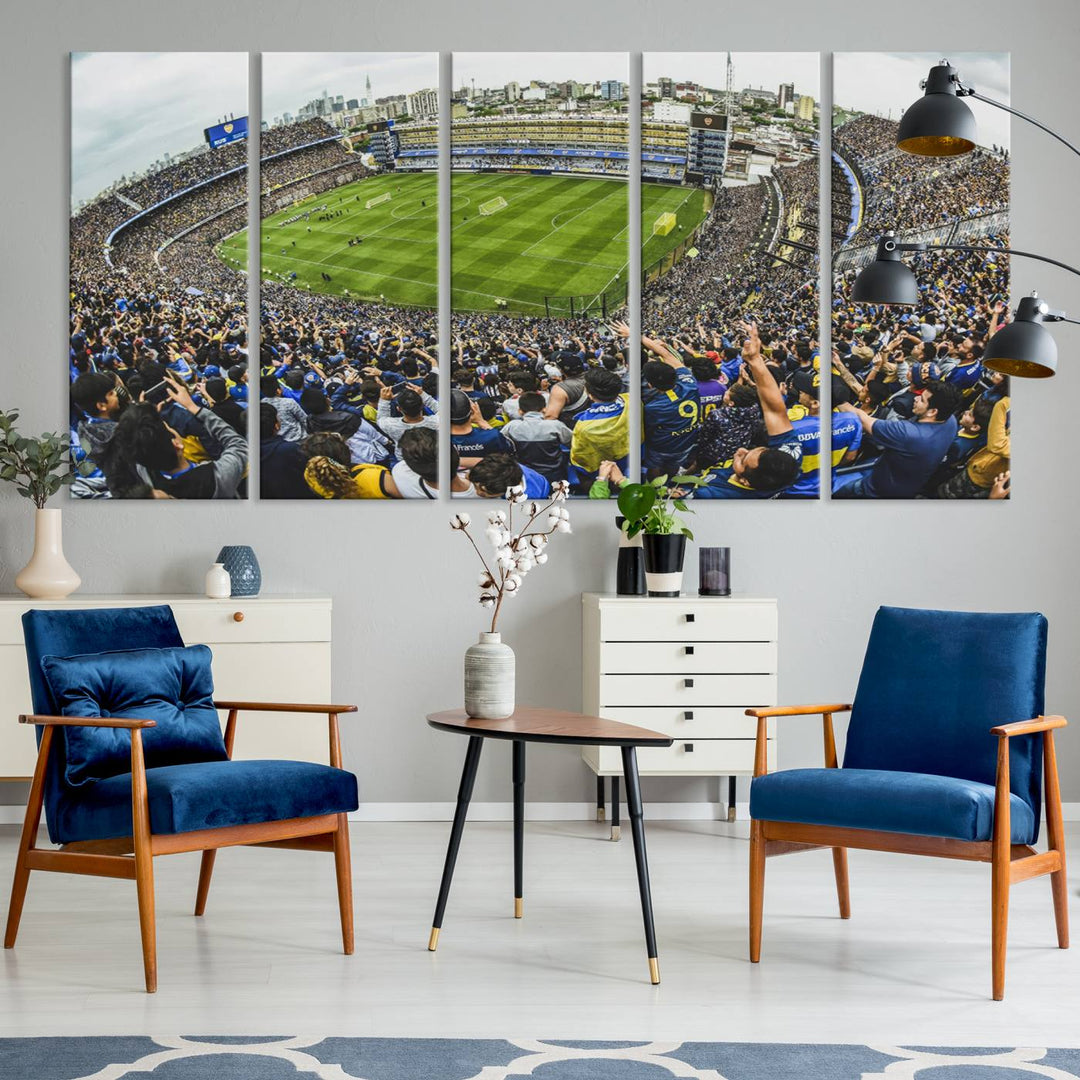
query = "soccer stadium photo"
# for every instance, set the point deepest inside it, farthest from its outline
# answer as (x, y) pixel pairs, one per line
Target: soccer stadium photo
(540, 146)
(158, 339)
(348, 254)
(730, 368)
(915, 413)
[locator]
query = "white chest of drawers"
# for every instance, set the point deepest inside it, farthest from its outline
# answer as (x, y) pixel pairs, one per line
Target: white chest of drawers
(266, 648)
(686, 666)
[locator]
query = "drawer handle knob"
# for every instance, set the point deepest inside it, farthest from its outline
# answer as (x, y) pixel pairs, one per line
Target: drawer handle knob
(689, 616)
(689, 650)
(688, 715)
(238, 616)
(688, 747)
(688, 683)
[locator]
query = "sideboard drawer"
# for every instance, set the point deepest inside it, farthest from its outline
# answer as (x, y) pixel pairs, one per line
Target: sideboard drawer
(215, 621)
(688, 620)
(708, 757)
(703, 657)
(691, 723)
(686, 690)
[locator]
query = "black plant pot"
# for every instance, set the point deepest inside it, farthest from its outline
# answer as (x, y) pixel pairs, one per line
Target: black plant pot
(664, 555)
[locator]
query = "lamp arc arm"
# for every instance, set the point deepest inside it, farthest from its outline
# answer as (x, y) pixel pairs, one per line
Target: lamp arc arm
(1023, 116)
(1001, 250)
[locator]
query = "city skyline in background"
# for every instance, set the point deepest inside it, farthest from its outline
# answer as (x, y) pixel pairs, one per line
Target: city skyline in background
(292, 80)
(751, 70)
(491, 71)
(130, 110)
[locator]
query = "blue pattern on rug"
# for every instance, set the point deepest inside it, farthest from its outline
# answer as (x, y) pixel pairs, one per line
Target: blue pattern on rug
(234, 1057)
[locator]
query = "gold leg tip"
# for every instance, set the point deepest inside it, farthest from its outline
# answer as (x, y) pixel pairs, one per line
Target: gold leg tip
(616, 832)
(600, 814)
(654, 971)
(433, 940)
(519, 907)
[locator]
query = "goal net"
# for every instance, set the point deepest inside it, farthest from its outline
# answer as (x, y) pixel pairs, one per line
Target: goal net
(663, 224)
(493, 206)
(384, 197)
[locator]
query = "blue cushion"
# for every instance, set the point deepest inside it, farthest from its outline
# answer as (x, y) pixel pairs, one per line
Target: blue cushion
(209, 795)
(65, 632)
(171, 686)
(933, 683)
(887, 800)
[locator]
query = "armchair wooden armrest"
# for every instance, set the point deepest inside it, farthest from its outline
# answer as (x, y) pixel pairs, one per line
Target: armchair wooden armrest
(797, 710)
(1029, 727)
(329, 711)
(763, 714)
(279, 706)
(87, 721)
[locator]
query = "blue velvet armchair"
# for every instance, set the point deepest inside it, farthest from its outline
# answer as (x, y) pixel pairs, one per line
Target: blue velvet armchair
(132, 763)
(947, 752)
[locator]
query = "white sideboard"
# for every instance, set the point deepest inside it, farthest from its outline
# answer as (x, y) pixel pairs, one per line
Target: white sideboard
(687, 666)
(266, 648)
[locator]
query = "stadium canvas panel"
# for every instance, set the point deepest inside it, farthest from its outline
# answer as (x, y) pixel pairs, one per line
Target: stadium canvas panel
(158, 340)
(539, 262)
(915, 414)
(730, 367)
(348, 252)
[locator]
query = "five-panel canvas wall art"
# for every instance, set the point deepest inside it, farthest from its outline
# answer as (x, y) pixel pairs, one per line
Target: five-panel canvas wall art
(546, 384)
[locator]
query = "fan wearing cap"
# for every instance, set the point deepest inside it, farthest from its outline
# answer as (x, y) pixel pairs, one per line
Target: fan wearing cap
(470, 434)
(759, 472)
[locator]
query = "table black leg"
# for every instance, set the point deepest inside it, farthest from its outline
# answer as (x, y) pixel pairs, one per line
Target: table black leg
(519, 825)
(731, 798)
(615, 800)
(637, 827)
(600, 798)
(468, 778)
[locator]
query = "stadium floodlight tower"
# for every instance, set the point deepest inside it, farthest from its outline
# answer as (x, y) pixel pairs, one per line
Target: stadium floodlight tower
(940, 124)
(1023, 347)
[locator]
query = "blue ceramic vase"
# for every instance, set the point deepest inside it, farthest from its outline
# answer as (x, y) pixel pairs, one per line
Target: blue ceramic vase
(243, 568)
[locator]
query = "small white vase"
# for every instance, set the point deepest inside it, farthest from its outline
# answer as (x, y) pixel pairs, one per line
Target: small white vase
(48, 575)
(489, 678)
(218, 582)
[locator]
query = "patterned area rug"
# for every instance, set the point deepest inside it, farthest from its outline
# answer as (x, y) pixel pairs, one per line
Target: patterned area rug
(283, 1058)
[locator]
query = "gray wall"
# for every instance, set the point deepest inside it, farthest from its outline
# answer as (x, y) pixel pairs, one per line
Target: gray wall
(402, 583)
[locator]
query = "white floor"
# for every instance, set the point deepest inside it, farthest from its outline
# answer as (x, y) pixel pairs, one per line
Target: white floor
(912, 966)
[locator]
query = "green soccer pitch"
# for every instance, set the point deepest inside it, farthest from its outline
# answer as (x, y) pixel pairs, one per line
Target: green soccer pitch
(556, 236)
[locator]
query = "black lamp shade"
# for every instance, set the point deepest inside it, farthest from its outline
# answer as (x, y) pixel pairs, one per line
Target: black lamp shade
(1023, 348)
(939, 124)
(885, 281)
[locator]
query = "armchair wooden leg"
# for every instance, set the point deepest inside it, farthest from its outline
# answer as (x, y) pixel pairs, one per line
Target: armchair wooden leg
(757, 887)
(839, 858)
(1000, 870)
(1055, 830)
(343, 866)
(144, 861)
(28, 840)
(206, 871)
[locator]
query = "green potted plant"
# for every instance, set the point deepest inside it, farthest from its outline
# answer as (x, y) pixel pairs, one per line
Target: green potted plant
(38, 467)
(653, 510)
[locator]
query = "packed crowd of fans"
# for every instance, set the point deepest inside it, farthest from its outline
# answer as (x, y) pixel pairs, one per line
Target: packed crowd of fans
(899, 187)
(544, 162)
(916, 415)
(158, 344)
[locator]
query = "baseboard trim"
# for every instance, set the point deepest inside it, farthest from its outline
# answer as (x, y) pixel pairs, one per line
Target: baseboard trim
(12, 813)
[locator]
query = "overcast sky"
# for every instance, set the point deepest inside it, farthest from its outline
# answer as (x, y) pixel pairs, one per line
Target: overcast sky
(292, 79)
(750, 69)
(887, 83)
(491, 69)
(127, 109)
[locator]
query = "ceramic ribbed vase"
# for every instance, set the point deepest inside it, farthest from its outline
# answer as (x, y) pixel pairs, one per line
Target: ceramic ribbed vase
(48, 575)
(489, 678)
